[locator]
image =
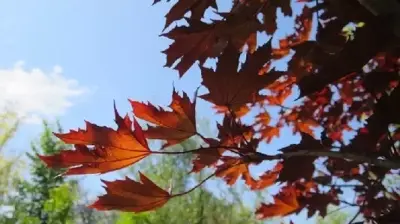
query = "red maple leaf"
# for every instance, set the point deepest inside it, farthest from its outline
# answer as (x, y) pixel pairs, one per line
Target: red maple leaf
(232, 168)
(131, 196)
(285, 203)
(113, 150)
(268, 178)
(196, 7)
(232, 89)
(173, 126)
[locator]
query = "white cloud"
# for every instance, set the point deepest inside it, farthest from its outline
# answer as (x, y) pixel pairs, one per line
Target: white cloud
(34, 93)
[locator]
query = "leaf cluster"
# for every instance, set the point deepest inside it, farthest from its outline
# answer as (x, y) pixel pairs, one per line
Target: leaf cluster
(344, 86)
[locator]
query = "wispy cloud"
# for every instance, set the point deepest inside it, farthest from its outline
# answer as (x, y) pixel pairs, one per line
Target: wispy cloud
(34, 93)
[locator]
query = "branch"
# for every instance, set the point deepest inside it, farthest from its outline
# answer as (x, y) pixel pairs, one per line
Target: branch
(196, 186)
(257, 156)
(318, 153)
(355, 216)
(341, 155)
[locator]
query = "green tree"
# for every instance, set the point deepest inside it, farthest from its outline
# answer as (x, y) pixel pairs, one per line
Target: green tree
(85, 215)
(200, 206)
(47, 198)
(9, 124)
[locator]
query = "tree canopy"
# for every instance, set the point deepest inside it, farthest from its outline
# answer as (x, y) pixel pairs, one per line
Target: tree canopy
(340, 93)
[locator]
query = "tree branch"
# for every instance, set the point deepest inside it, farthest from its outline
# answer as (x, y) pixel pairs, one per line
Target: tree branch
(341, 155)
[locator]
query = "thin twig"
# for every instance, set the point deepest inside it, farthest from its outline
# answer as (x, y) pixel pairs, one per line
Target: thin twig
(355, 216)
(193, 188)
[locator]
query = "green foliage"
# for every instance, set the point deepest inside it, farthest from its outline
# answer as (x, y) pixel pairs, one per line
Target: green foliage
(8, 126)
(61, 201)
(9, 123)
(47, 198)
(130, 218)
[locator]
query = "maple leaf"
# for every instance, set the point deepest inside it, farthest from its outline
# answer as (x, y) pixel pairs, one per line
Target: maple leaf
(303, 27)
(113, 150)
(283, 50)
(385, 112)
(232, 89)
(239, 112)
(197, 8)
(203, 40)
(263, 118)
(305, 126)
(232, 168)
(319, 202)
(285, 203)
(342, 78)
(131, 196)
(302, 121)
(280, 97)
(206, 41)
(267, 132)
(269, 13)
(302, 34)
(371, 39)
(207, 157)
(268, 178)
(233, 133)
(173, 126)
(342, 168)
(295, 168)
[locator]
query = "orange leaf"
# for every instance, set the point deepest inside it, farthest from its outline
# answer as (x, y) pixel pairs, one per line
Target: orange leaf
(251, 42)
(207, 157)
(347, 93)
(239, 111)
(174, 126)
(113, 150)
(263, 118)
(232, 169)
(269, 132)
(232, 133)
(285, 204)
(305, 126)
(268, 178)
(304, 28)
(283, 50)
(303, 32)
(280, 97)
(131, 196)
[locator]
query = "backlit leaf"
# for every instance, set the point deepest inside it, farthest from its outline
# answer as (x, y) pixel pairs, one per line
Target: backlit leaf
(131, 196)
(284, 203)
(173, 126)
(112, 149)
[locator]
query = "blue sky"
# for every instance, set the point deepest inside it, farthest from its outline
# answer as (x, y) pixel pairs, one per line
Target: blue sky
(85, 54)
